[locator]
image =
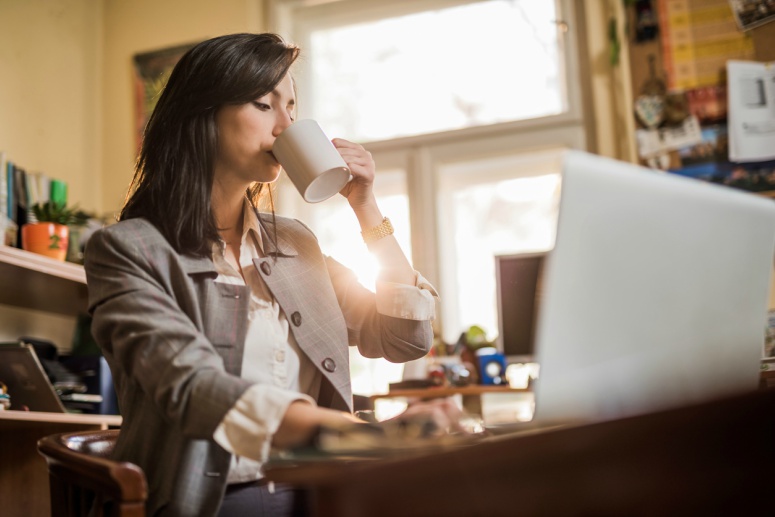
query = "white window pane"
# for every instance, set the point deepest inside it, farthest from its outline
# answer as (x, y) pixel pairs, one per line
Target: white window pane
(372, 376)
(435, 70)
(487, 208)
(339, 234)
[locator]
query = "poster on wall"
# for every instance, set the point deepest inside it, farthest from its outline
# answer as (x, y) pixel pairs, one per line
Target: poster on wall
(698, 37)
(152, 69)
(751, 111)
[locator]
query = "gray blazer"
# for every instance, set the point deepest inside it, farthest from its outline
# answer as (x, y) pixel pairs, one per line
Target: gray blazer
(174, 338)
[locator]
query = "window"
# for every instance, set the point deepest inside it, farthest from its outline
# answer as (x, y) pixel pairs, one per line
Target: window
(432, 70)
(337, 229)
(465, 106)
(487, 208)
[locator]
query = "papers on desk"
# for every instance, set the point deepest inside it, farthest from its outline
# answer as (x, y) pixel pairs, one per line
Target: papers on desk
(751, 118)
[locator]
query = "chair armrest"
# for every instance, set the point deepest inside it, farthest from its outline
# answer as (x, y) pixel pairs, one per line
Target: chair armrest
(87, 467)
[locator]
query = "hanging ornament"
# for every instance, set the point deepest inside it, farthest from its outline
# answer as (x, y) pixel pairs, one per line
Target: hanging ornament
(650, 104)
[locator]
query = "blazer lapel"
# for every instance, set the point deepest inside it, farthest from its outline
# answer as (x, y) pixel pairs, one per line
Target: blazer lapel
(194, 265)
(220, 305)
(283, 247)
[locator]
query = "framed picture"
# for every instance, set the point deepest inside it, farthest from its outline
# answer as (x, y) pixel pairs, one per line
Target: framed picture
(752, 13)
(152, 69)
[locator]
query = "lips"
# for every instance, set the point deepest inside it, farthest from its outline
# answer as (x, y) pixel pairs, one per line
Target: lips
(273, 156)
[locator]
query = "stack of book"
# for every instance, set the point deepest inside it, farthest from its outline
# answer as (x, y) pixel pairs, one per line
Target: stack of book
(19, 191)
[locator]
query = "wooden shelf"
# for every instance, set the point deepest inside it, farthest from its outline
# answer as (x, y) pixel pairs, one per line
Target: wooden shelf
(102, 421)
(33, 281)
(436, 392)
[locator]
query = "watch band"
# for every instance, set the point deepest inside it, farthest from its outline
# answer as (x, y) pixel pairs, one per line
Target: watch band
(377, 232)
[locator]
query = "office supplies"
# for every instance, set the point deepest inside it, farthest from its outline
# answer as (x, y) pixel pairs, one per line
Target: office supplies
(654, 295)
(27, 383)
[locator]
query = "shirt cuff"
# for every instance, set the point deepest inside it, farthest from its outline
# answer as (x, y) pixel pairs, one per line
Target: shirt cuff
(410, 302)
(248, 427)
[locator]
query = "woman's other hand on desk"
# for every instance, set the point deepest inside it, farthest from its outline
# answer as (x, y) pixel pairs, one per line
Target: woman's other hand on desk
(431, 418)
(425, 419)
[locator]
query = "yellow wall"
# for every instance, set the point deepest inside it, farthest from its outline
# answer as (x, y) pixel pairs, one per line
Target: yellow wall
(50, 88)
(138, 26)
(66, 81)
(66, 97)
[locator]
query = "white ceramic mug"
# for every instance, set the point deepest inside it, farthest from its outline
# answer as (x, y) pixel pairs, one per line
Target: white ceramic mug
(311, 161)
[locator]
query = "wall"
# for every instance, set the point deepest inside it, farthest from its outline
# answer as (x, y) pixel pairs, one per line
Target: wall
(764, 42)
(66, 98)
(50, 91)
(138, 26)
(609, 123)
(764, 45)
(50, 119)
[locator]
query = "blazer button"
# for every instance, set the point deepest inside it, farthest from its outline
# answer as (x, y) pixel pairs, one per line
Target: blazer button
(329, 364)
(296, 318)
(266, 268)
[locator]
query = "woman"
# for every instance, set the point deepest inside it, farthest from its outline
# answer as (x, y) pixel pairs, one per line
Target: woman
(226, 330)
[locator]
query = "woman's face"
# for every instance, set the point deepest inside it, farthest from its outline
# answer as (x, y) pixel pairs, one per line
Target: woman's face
(246, 134)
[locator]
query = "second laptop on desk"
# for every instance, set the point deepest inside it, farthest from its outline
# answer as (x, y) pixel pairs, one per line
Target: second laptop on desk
(26, 381)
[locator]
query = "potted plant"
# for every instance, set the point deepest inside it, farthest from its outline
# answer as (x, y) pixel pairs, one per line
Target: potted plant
(49, 235)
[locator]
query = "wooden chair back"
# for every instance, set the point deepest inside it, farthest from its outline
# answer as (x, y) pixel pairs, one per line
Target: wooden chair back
(82, 476)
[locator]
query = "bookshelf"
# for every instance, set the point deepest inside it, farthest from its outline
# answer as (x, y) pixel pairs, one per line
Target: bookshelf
(36, 282)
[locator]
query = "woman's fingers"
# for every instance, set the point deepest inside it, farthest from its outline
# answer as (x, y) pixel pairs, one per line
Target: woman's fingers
(438, 416)
(342, 143)
(358, 191)
(353, 153)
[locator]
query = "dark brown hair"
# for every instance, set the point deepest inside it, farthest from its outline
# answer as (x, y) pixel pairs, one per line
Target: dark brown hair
(173, 177)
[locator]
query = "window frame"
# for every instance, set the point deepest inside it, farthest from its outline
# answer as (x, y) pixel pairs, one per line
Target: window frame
(422, 156)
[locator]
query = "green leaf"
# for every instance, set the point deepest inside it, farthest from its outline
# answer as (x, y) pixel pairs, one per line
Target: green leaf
(59, 213)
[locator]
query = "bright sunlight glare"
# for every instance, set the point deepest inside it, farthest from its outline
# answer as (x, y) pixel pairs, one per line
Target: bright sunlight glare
(437, 70)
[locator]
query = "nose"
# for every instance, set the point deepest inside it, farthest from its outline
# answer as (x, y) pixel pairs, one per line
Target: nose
(283, 121)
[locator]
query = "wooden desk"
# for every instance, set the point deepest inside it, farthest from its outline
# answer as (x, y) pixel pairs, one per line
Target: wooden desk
(710, 459)
(24, 487)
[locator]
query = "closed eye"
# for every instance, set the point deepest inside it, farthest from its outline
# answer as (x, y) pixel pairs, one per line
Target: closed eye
(262, 106)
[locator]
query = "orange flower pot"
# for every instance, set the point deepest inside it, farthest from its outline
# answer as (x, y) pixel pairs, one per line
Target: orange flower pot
(48, 239)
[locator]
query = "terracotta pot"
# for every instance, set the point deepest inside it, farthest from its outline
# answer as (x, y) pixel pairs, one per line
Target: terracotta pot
(48, 239)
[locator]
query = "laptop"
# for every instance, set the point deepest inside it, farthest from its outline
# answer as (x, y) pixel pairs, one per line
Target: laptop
(654, 295)
(27, 383)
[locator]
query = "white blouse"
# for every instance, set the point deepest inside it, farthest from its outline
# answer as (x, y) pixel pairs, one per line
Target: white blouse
(272, 359)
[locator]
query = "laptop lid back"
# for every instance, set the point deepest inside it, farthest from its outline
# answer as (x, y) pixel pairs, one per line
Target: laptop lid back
(26, 381)
(655, 294)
